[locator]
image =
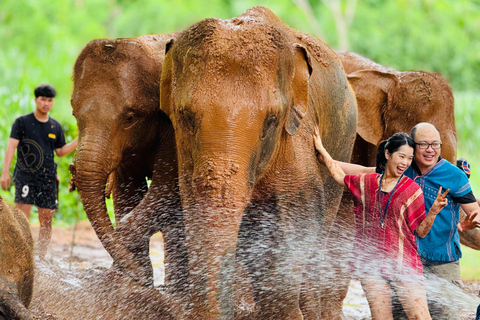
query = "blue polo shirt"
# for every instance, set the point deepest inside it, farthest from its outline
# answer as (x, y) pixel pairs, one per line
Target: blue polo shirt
(442, 243)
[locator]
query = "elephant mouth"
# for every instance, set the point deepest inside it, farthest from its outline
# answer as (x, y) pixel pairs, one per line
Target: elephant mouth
(73, 183)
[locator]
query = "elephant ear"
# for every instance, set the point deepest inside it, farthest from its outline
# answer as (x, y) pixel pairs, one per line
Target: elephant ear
(166, 97)
(302, 73)
(374, 93)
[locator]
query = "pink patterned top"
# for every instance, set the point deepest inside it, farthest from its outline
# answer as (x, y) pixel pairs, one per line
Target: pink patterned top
(389, 250)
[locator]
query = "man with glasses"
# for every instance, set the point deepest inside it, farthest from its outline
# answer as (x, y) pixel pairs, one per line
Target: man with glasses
(440, 249)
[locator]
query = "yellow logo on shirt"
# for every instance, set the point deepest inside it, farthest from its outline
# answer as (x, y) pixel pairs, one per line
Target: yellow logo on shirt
(51, 135)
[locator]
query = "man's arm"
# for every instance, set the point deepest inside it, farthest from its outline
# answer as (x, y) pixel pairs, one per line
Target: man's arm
(470, 238)
(467, 227)
(9, 153)
(470, 219)
(66, 149)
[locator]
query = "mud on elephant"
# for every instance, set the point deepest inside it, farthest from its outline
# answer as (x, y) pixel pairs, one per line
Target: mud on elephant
(243, 96)
(16, 263)
(124, 135)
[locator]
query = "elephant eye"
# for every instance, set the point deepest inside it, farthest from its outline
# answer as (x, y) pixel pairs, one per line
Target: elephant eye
(129, 120)
(269, 126)
(270, 121)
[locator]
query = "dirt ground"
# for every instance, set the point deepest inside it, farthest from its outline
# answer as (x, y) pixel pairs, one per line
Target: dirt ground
(75, 255)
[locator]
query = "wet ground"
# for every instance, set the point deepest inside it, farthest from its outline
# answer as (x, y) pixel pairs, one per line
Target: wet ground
(76, 255)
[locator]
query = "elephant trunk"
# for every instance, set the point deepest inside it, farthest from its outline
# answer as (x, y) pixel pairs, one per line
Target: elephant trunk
(93, 166)
(217, 199)
(92, 170)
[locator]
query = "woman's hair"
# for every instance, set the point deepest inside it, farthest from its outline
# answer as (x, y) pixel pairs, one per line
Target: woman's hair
(391, 145)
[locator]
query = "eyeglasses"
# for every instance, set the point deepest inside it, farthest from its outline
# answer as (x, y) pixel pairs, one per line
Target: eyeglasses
(424, 145)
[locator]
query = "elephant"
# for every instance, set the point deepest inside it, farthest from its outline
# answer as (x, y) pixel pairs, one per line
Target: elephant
(390, 101)
(124, 138)
(243, 96)
(16, 263)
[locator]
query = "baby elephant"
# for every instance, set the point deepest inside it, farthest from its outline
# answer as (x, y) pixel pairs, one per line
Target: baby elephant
(16, 263)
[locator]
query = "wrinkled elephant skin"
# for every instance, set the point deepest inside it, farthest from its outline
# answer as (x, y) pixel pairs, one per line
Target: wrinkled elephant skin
(244, 95)
(16, 263)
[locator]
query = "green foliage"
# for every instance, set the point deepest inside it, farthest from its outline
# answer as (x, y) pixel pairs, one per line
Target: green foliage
(436, 36)
(469, 264)
(41, 39)
(467, 118)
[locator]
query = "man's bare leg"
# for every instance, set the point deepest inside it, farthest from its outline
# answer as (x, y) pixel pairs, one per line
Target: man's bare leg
(45, 216)
(25, 208)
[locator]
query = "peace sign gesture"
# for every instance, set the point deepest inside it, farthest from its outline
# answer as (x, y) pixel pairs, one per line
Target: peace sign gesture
(440, 201)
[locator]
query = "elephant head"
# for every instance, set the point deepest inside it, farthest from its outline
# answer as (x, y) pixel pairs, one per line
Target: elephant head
(16, 263)
(390, 101)
(115, 100)
(239, 95)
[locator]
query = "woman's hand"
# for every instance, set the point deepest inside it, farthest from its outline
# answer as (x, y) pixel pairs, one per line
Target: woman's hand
(320, 150)
(317, 139)
(440, 201)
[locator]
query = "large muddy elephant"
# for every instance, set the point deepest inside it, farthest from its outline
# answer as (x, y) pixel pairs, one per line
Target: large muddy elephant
(16, 263)
(244, 95)
(124, 135)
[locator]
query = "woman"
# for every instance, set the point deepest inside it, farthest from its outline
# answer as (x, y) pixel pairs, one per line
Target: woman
(389, 210)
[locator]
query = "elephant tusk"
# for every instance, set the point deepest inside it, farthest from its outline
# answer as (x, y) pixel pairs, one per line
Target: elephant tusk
(109, 187)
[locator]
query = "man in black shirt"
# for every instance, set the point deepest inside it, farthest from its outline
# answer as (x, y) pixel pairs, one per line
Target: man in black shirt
(36, 137)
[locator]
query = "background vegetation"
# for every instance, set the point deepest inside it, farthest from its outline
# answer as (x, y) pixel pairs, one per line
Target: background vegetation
(41, 39)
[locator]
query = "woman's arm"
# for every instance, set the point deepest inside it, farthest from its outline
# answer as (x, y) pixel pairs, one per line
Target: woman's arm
(424, 227)
(324, 157)
(351, 168)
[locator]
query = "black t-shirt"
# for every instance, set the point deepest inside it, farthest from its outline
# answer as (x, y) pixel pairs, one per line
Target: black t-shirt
(38, 141)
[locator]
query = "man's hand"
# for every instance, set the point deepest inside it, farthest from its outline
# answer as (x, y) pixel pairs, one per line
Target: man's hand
(469, 223)
(5, 181)
(440, 201)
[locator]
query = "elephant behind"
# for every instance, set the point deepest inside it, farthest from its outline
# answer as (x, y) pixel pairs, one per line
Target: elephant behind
(124, 135)
(244, 95)
(16, 263)
(391, 101)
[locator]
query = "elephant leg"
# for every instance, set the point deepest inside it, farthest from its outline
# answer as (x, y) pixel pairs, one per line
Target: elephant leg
(134, 232)
(338, 265)
(261, 249)
(128, 190)
(176, 259)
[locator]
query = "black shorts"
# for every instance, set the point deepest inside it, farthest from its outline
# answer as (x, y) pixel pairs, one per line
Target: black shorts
(40, 192)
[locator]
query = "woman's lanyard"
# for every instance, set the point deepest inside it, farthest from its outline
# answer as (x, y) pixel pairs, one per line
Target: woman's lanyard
(384, 214)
